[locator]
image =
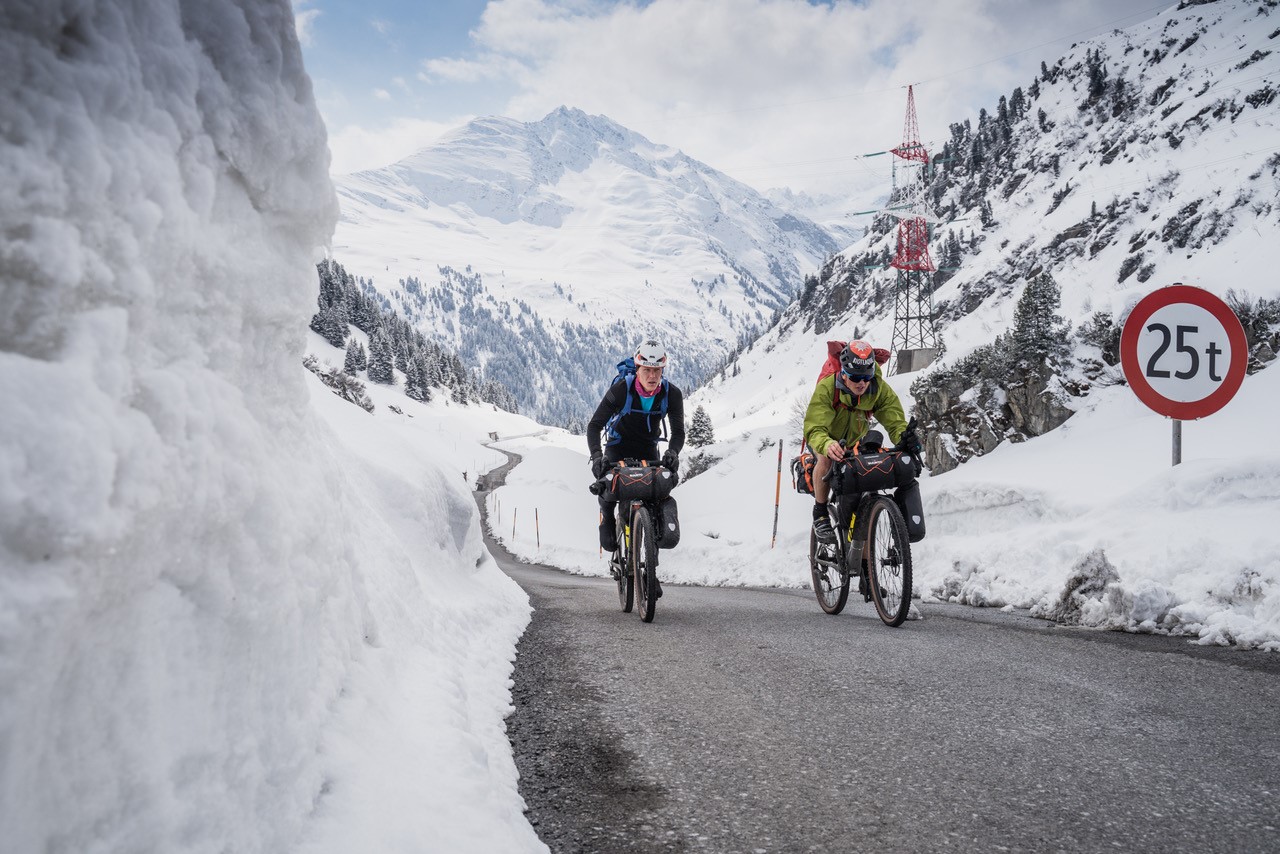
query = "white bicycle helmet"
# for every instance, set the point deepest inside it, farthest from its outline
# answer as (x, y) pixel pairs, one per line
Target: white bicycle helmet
(651, 354)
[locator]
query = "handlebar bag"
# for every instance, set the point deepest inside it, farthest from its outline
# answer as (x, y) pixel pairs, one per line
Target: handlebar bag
(640, 483)
(869, 472)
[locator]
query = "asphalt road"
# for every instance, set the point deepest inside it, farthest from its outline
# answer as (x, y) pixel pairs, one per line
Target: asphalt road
(746, 720)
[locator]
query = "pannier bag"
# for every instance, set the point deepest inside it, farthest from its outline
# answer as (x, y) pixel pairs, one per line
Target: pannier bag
(668, 525)
(639, 483)
(912, 507)
(868, 472)
(802, 471)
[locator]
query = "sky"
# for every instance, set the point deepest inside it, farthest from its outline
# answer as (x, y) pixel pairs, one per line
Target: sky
(777, 93)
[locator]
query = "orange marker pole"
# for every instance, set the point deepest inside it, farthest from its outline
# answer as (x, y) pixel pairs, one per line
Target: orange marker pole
(777, 496)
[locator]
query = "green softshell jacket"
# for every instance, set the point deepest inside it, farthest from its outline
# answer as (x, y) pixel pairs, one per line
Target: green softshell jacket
(825, 423)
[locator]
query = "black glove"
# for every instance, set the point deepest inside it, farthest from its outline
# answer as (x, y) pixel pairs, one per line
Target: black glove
(598, 466)
(671, 460)
(910, 443)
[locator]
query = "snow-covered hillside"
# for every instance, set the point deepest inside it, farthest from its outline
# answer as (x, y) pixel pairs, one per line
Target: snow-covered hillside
(1139, 159)
(236, 612)
(566, 240)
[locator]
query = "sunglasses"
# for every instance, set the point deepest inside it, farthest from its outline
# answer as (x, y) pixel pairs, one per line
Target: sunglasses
(861, 378)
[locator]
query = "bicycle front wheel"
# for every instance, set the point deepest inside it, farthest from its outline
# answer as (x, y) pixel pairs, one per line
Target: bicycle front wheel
(889, 562)
(621, 568)
(830, 581)
(644, 562)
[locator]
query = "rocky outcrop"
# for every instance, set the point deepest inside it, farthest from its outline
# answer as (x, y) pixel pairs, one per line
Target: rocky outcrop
(960, 420)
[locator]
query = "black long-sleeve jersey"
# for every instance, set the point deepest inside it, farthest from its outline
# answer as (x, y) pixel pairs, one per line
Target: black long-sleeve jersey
(639, 429)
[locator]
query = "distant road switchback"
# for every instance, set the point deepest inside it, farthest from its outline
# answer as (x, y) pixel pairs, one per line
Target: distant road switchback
(746, 720)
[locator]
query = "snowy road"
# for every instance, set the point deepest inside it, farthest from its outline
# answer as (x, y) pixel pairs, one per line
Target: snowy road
(748, 720)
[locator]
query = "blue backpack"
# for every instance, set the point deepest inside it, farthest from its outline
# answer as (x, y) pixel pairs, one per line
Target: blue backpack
(627, 374)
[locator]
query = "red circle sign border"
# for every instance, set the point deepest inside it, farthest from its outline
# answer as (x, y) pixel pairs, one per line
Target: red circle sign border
(1142, 312)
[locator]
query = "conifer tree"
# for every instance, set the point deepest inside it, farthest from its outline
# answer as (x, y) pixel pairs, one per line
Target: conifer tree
(1097, 74)
(380, 356)
(985, 215)
(331, 323)
(415, 386)
(1039, 331)
(700, 431)
(357, 359)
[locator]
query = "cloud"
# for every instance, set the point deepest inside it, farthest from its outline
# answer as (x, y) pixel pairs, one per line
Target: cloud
(382, 94)
(357, 148)
(304, 20)
(772, 91)
(457, 70)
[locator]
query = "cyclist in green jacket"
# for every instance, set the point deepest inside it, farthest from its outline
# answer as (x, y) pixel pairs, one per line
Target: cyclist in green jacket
(842, 407)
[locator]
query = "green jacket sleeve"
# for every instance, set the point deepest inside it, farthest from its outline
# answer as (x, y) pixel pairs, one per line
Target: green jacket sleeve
(819, 415)
(888, 409)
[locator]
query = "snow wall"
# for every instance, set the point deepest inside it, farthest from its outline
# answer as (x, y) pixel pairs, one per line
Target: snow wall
(215, 629)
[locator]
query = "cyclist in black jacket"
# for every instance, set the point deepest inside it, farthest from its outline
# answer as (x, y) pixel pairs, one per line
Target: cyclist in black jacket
(630, 416)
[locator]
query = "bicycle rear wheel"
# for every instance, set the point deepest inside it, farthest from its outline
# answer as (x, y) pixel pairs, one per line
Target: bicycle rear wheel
(621, 569)
(644, 562)
(830, 580)
(889, 562)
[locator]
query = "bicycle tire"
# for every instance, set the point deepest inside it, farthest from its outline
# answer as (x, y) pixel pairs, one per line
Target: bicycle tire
(889, 561)
(644, 560)
(625, 580)
(832, 596)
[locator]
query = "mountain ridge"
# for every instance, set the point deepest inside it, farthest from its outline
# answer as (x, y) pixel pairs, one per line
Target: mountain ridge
(572, 230)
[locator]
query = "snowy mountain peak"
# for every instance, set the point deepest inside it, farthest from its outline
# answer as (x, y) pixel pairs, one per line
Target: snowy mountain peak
(579, 236)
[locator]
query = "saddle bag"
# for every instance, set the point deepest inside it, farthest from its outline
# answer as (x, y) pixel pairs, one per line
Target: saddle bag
(639, 483)
(668, 523)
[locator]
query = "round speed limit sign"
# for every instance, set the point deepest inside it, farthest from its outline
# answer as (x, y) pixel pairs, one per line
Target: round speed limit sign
(1183, 352)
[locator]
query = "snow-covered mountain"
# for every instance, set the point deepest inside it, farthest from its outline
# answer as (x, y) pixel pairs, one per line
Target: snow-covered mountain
(831, 211)
(1139, 159)
(544, 250)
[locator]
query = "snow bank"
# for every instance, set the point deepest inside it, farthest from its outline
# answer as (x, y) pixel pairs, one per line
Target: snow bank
(219, 629)
(1194, 548)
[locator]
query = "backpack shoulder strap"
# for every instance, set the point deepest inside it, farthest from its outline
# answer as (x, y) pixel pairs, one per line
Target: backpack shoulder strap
(629, 384)
(836, 403)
